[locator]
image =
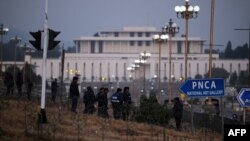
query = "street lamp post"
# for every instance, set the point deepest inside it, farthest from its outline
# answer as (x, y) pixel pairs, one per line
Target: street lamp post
(3, 31)
(171, 29)
(16, 41)
(138, 63)
(132, 69)
(161, 37)
(25, 47)
(247, 29)
(186, 12)
(144, 55)
(211, 37)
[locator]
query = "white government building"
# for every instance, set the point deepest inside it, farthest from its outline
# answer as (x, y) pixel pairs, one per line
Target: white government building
(107, 55)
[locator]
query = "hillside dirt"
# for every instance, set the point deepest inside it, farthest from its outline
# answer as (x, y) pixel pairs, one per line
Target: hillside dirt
(18, 122)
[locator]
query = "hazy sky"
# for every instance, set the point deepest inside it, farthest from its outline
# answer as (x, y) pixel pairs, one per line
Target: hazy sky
(75, 18)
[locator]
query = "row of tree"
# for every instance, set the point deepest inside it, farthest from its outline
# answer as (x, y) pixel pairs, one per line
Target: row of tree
(234, 80)
(240, 52)
(13, 51)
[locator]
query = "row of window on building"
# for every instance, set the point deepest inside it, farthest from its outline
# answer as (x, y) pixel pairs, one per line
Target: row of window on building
(98, 69)
(133, 34)
(97, 46)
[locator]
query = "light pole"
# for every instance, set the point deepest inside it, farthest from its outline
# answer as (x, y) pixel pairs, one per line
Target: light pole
(132, 69)
(16, 41)
(3, 31)
(171, 29)
(186, 12)
(25, 47)
(139, 62)
(211, 37)
(144, 56)
(160, 38)
(247, 29)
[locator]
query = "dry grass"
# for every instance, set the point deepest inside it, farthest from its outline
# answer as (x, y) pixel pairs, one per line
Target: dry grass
(67, 126)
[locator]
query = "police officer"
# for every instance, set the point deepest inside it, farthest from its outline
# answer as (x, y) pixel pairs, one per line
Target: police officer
(102, 100)
(19, 83)
(89, 100)
(177, 112)
(74, 93)
(29, 87)
(54, 90)
(126, 103)
(117, 101)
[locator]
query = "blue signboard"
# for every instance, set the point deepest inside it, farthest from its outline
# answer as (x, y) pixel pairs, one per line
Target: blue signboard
(244, 97)
(203, 87)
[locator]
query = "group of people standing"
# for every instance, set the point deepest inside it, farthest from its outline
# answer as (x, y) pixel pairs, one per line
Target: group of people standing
(10, 82)
(121, 101)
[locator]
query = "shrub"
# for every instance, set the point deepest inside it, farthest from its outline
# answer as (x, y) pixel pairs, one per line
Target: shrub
(150, 111)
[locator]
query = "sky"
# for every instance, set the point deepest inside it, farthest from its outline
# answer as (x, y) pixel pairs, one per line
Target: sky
(76, 18)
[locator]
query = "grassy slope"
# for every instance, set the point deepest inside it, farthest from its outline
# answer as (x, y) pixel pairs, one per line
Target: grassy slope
(67, 126)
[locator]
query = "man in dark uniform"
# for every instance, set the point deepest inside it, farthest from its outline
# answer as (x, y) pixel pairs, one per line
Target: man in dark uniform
(117, 101)
(9, 82)
(19, 83)
(54, 90)
(126, 103)
(102, 100)
(89, 101)
(177, 112)
(29, 86)
(74, 93)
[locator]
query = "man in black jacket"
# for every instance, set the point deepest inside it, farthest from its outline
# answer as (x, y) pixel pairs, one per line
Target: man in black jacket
(54, 90)
(117, 101)
(74, 93)
(102, 99)
(19, 83)
(126, 103)
(89, 101)
(177, 112)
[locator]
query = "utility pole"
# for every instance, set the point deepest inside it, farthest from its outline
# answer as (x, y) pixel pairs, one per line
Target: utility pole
(247, 29)
(43, 117)
(211, 38)
(62, 73)
(3, 31)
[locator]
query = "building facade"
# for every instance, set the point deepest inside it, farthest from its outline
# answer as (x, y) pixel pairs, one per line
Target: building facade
(107, 55)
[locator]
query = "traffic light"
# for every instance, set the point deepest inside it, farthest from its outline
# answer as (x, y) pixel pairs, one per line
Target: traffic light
(37, 42)
(52, 43)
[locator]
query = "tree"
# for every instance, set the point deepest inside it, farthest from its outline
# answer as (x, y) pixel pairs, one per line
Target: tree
(241, 52)
(228, 51)
(55, 53)
(29, 73)
(151, 111)
(10, 70)
(243, 78)
(71, 49)
(233, 79)
(218, 73)
(198, 76)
